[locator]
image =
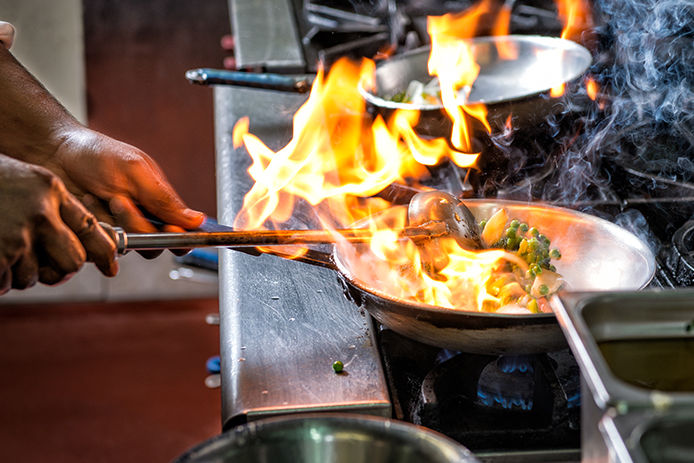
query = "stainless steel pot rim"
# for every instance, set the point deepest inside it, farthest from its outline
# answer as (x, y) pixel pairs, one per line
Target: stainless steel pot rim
(346, 273)
(580, 52)
(245, 432)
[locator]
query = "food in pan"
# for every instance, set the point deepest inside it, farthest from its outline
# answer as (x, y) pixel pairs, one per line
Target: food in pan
(511, 273)
(420, 93)
(515, 289)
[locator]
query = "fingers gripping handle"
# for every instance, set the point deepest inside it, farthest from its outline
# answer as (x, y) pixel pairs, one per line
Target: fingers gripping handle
(118, 236)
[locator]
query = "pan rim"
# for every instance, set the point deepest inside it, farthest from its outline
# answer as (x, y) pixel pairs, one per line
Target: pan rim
(642, 248)
(565, 44)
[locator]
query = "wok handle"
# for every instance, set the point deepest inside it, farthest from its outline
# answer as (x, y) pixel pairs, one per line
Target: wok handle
(208, 76)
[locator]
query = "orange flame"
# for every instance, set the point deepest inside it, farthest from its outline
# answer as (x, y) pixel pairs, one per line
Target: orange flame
(576, 16)
(507, 49)
(335, 152)
(339, 157)
(556, 92)
(453, 62)
(592, 89)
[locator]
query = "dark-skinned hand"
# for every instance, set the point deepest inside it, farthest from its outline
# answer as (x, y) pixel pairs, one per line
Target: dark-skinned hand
(46, 234)
(116, 181)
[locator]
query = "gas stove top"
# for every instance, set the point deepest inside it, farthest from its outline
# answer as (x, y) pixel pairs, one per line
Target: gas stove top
(283, 323)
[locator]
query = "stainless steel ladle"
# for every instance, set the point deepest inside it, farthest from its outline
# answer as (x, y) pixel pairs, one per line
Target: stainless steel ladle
(439, 206)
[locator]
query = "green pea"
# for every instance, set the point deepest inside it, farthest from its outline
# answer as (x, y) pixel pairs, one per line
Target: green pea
(515, 223)
(338, 366)
(534, 232)
(555, 254)
(511, 232)
(544, 290)
(536, 269)
(523, 227)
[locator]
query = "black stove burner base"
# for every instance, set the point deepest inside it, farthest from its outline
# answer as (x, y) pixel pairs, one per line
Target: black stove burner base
(487, 403)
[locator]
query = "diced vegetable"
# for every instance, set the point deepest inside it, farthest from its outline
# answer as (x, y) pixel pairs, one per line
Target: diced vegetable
(513, 309)
(514, 286)
(493, 230)
(548, 282)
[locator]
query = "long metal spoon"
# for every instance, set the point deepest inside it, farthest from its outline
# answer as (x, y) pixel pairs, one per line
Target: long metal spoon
(441, 207)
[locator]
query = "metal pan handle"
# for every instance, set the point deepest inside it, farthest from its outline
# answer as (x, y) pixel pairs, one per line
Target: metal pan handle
(312, 256)
(207, 76)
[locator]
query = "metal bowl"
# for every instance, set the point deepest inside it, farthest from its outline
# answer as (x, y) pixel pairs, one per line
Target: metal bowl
(329, 438)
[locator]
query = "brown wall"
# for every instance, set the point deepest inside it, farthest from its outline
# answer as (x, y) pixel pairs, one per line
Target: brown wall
(136, 56)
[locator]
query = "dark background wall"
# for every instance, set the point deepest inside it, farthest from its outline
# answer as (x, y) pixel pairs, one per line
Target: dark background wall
(106, 383)
(136, 55)
(114, 382)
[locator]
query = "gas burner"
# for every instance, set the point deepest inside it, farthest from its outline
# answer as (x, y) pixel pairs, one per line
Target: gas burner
(508, 383)
(363, 28)
(483, 401)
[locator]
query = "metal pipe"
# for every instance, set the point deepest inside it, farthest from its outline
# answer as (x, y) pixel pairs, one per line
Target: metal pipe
(207, 76)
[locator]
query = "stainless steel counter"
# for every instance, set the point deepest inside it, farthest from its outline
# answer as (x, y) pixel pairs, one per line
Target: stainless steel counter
(283, 323)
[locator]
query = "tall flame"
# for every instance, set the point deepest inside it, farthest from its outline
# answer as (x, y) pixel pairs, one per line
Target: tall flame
(335, 152)
(453, 62)
(340, 157)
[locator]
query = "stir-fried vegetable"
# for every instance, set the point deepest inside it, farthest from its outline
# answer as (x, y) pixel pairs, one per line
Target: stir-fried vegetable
(517, 290)
(420, 93)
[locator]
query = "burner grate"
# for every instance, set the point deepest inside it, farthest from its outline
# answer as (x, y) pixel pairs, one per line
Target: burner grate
(485, 402)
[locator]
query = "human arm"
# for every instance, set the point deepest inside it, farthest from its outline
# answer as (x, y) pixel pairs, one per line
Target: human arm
(113, 178)
(46, 234)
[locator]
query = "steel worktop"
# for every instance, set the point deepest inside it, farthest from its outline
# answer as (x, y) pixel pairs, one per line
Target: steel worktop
(283, 323)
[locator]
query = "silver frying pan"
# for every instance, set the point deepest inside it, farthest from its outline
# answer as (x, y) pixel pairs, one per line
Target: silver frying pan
(597, 255)
(518, 86)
